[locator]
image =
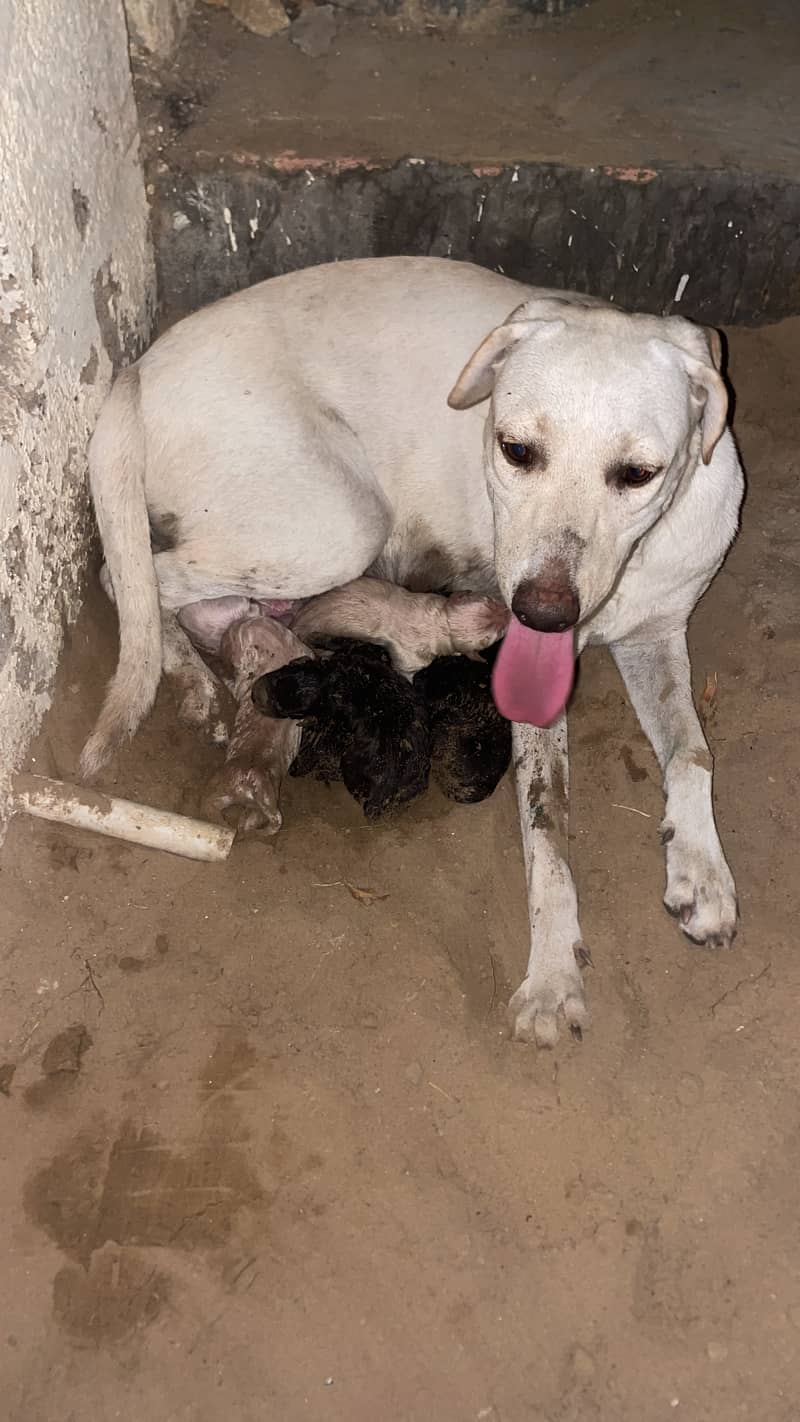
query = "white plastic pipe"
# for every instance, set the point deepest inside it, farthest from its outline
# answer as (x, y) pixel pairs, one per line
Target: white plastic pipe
(120, 819)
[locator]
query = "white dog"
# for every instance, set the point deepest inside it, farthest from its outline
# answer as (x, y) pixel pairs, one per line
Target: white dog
(299, 434)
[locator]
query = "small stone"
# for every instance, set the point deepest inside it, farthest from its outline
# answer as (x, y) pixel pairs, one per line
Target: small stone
(413, 1073)
(370, 1021)
(793, 1315)
(717, 1352)
(6, 1077)
(314, 30)
(262, 17)
(65, 1051)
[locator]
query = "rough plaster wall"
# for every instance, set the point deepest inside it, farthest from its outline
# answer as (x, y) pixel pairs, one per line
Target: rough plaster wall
(76, 299)
(156, 26)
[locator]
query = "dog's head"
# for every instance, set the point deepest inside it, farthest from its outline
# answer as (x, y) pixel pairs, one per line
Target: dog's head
(595, 418)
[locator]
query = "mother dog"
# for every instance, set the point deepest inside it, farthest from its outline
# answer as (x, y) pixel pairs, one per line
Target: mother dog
(300, 433)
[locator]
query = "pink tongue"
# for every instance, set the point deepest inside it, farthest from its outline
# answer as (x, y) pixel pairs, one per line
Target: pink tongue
(533, 674)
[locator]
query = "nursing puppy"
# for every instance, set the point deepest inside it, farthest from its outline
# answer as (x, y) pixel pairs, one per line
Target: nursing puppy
(359, 718)
(470, 740)
(298, 435)
(245, 644)
(363, 723)
(413, 627)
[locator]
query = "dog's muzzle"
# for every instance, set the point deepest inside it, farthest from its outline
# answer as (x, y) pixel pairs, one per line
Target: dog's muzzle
(548, 602)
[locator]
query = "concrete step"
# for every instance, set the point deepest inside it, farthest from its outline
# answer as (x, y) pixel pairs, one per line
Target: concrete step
(644, 153)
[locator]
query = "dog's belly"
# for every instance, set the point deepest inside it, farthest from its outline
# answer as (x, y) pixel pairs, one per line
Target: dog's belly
(421, 558)
(431, 535)
(442, 534)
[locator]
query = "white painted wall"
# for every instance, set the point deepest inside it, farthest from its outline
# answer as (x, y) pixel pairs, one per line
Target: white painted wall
(76, 299)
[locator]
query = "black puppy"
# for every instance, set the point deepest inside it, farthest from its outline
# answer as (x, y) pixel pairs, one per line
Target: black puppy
(363, 723)
(470, 740)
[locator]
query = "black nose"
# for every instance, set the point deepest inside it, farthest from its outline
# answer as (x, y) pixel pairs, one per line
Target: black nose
(549, 602)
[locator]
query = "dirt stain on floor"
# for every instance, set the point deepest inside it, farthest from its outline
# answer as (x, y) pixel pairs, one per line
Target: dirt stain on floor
(119, 1292)
(107, 1206)
(142, 1192)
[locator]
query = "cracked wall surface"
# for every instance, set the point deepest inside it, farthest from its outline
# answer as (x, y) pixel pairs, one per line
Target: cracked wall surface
(76, 302)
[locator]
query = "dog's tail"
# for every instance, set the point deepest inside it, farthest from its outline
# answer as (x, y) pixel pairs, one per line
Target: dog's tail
(116, 477)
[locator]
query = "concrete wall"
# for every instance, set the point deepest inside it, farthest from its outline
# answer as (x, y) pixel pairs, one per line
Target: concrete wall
(76, 300)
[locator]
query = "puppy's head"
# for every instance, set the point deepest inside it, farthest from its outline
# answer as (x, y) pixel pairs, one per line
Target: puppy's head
(293, 691)
(385, 760)
(475, 622)
(450, 684)
(385, 773)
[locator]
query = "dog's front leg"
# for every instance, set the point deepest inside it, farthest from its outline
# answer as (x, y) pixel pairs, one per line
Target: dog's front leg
(553, 981)
(700, 889)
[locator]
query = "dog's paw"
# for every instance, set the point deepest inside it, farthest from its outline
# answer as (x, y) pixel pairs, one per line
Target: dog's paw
(200, 707)
(533, 1012)
(700, 891)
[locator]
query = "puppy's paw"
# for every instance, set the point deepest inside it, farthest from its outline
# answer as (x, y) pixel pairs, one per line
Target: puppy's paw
(700, 890)
(546, 994)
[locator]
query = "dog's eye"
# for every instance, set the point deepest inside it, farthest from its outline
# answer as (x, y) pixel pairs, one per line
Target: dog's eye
(634, 476)
(518, 453)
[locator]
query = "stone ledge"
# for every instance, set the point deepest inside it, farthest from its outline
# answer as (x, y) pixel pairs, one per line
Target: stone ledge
(719, 246)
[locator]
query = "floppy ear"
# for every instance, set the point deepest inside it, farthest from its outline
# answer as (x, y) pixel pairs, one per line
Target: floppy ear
(714, 345)
(708, 390)
(701, 352)
(476, 381)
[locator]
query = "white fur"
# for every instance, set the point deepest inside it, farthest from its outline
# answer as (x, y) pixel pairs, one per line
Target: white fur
(298, 435)
(415, 628)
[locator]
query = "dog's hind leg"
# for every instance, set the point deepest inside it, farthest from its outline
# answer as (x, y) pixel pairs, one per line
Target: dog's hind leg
(553, 981)
(700, 890)
(197, 690)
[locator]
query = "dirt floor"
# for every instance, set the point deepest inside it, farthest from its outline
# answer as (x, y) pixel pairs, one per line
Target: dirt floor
(268, 1153)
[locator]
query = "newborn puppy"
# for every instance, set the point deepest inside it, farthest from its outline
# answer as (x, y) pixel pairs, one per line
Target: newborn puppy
(363, 723)
(470, 740)
(260, 750)
(413, 627)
